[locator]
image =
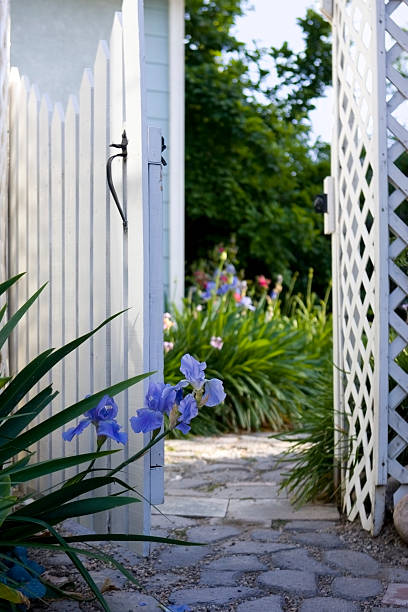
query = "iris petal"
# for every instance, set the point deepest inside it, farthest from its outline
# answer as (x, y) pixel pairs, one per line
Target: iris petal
(146, 420)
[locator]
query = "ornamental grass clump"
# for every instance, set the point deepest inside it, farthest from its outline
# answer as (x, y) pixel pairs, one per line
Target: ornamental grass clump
(28, 522)
(267, 353)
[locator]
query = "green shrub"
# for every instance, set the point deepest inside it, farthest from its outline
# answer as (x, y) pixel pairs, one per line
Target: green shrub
(269, 361)
(310, 457)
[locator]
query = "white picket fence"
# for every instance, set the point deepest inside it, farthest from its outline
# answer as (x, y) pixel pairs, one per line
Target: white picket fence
(65, 229)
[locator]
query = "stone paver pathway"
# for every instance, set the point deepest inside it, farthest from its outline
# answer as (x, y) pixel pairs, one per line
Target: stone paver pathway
(261, 553)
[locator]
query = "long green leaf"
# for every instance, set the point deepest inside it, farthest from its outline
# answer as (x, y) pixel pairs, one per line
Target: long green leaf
(84, 507)
(38, 432)
(6, 330)
(120, 537)
(23, 474)
(5, 497)
(40, 366)
(21, 384)
(9, 282)
(23, 417)
(63, 495)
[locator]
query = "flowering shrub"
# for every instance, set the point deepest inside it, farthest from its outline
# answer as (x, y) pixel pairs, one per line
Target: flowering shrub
(268, 358)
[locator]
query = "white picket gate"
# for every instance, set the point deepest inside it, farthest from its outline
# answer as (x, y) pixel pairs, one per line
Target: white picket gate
(369, 216)
(65, 229)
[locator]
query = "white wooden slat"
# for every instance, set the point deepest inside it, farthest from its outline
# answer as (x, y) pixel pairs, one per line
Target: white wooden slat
(86, 442)
(57, 267)
(32, 316)
(44, 262)
(136, 241)
(32, 218)
(101, 246)
(116, 345)
(71, 264)
(13, 262)
(156, 296)
(22, 287)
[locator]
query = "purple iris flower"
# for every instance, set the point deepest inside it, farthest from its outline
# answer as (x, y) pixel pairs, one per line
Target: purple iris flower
(209, 290)
(159, 400)
(246, 302)
(188, 410)
(214, 393)
(160, 397)
(230, 269)
(103, 417)
(193, 370)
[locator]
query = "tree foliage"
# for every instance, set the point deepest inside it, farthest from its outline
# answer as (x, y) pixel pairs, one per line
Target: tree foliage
(251, 169)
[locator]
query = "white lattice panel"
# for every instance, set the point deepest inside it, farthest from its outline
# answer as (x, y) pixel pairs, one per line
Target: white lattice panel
(370, 168)
(396, 25)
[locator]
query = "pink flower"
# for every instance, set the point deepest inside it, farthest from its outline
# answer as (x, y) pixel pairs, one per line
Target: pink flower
(168, 346)
(217, 342)
(263, 282)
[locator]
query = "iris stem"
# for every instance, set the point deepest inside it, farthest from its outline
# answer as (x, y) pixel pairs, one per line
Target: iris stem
(140, 453)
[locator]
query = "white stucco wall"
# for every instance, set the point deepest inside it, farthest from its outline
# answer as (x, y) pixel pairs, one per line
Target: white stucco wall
(52, 41)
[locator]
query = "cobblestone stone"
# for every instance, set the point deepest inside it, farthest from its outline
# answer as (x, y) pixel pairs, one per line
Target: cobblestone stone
(217, 578)
(182, 556)
(328, 604)
(321, 540)
(266, 535)
(211, 595)
(300, 559)
(356, 588)
(211, 533)
(257, 548)
(354, 562)
(308, 525)
(240, 563)
(264, 604)
(290, 581)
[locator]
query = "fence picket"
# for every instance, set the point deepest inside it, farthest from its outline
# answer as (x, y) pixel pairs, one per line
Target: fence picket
(86, 442)
(13, 251)
(32, 229)
(116, 347)
(136, 247)
(44, 261)
(101, 249)
(57, 266)
(71, 260)
(21, 212)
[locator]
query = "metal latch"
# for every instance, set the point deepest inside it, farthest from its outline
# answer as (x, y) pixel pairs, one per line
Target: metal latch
(324, 203)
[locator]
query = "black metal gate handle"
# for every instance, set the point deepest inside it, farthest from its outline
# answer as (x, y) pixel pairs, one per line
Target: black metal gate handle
(122, 146)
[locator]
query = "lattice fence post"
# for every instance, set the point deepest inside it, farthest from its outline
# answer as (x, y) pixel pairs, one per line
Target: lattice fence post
(370, 169)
